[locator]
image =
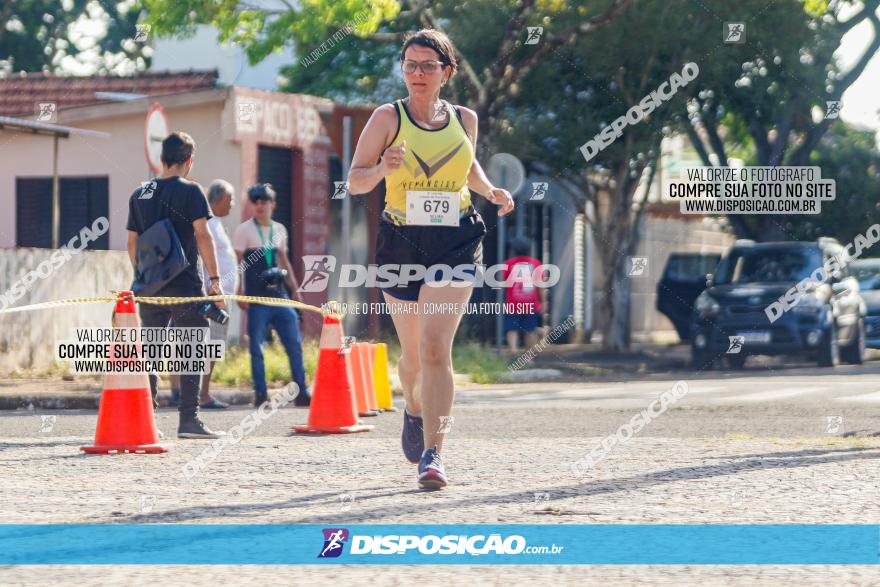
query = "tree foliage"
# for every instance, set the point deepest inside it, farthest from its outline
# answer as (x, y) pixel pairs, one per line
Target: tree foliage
(38, 35)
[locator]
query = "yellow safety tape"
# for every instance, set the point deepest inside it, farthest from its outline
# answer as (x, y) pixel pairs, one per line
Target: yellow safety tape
(170, 301)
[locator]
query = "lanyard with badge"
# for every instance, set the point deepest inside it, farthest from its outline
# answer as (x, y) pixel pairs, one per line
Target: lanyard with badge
(268, 251)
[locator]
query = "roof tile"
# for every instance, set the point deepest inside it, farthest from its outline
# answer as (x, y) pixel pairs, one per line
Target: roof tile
(21, 91)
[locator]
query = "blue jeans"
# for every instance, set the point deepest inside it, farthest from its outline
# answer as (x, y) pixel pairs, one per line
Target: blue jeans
(286, 323)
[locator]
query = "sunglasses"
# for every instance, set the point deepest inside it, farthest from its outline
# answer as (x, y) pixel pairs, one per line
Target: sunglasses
(430, 66)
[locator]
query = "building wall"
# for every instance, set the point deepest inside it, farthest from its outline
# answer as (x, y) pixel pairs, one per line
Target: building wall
(121, 158)
(27, 339)
(664, 235)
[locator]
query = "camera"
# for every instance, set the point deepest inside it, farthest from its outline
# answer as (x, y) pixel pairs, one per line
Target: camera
(212, 312)
(274, 278)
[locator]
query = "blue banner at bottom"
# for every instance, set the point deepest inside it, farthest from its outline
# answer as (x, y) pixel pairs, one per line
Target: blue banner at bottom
(281, 544)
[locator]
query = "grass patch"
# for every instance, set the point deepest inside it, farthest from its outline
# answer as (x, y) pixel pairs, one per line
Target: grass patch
(235, 368)
(470, 358)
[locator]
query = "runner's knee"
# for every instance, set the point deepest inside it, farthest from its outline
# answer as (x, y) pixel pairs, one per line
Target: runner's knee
(432, 352)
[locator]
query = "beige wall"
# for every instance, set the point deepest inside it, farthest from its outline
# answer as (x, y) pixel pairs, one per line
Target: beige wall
(27, 339)
(663, 236)
(120, 157)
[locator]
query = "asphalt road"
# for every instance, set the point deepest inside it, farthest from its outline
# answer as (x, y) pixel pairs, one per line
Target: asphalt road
(772, 444)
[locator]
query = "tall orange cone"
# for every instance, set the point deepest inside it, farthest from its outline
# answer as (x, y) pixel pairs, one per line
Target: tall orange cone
(367, 365)
(362, 389)
(125, 416)
(381, 380)
(334, 408)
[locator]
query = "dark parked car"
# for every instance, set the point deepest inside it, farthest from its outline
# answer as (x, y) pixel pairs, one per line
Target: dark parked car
(684, 278)
(867, 272)
(826, 325)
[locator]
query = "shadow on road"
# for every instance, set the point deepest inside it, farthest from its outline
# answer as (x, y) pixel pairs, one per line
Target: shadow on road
(740, 464)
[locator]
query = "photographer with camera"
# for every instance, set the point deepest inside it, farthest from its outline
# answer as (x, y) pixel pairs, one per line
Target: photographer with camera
(169, 215)
(268, 273)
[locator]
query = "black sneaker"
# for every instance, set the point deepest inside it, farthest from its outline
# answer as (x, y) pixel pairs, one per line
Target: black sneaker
(431, 473)
(195, 428)
(412, 439)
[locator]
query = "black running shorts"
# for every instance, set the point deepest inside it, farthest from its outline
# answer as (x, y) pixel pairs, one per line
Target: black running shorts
(428, 246)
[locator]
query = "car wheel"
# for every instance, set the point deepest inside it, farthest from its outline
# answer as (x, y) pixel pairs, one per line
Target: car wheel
(736, 361)
(855, 352)
(829, 352)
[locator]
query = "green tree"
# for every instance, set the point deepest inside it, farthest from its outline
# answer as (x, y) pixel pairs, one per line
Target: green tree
(773, 89)
(35, 35)
(850, 157)
(580, 90)
(489, 36)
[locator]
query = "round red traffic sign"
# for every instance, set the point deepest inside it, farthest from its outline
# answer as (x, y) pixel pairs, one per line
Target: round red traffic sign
(155, 131)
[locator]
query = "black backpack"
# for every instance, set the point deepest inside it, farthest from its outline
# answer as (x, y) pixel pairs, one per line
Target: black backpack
(159, 254)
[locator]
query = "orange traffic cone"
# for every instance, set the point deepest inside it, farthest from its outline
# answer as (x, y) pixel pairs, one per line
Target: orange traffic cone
(362, 389)
(334, 408)
(125, 416)
(367, 364)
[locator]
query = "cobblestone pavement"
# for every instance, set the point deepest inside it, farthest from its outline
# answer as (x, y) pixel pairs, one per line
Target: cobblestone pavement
(508, 463)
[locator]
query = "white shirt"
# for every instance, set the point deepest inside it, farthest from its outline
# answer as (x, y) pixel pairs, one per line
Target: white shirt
(227, 266)
(247, 237)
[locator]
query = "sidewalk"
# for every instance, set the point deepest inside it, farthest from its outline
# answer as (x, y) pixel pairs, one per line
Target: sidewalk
(569, 362)
(55, 394)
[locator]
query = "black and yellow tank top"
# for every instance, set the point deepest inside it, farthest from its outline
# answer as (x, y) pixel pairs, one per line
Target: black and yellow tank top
(436, 160)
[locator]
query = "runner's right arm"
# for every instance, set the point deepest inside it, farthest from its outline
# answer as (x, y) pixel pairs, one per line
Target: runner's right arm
(365, 174)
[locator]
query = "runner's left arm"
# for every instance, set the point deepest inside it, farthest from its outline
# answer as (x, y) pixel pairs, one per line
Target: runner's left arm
(477, 180)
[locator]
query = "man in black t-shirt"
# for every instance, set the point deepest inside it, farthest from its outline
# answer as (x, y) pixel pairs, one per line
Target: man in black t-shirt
(184, 203)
